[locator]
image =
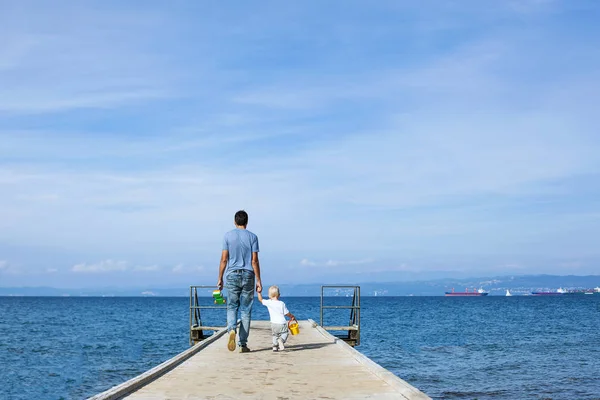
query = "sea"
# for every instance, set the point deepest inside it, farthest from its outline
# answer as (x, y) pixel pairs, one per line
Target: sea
(495, 347)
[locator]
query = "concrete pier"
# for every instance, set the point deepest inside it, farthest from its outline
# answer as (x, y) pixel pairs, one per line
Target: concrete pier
(314, 365)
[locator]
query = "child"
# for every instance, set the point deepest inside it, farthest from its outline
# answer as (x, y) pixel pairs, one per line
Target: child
(278, 311)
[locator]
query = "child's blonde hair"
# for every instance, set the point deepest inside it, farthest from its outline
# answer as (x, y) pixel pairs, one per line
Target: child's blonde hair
(273, 291)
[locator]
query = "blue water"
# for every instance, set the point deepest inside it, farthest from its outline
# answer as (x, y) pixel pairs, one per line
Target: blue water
(450, 348)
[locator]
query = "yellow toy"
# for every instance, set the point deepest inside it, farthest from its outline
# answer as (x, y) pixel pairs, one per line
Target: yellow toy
(294, 327)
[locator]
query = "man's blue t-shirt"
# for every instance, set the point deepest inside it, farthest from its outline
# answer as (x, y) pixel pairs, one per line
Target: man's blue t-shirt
(240, 243)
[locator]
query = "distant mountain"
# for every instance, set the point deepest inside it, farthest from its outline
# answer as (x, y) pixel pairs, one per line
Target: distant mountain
(522, 284)
(95, 292)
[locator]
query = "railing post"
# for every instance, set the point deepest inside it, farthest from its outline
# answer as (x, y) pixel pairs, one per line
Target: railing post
(321, 323)
(358, 317)
(191, 310)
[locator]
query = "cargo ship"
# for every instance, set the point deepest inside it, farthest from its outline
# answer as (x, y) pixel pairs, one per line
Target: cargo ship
(475, 293)
(559, 291)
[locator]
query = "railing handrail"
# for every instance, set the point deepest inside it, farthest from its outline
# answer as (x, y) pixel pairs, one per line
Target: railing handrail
(195, 307)
(353, 336)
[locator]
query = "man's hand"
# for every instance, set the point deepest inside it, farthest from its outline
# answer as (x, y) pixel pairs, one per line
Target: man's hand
(256, 269)
(258, 286)
(222, 268)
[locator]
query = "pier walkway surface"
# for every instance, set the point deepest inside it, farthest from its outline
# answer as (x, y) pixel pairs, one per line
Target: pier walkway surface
(314, 365)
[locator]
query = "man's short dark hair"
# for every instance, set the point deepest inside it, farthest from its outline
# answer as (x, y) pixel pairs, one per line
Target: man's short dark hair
(241, 218)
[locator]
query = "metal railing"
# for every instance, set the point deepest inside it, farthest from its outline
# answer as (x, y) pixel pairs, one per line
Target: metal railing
(352, 335)
(197, 330)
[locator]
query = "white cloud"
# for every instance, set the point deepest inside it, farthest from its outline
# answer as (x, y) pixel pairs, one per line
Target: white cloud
(511, 266)
(572, 264)
(9, 268)
(335, 263)
(177, 269)
(395, 268)
(111, 266)
(102, 266)
(51, 270)
(147, 268)
(73, 58)
(183, 269)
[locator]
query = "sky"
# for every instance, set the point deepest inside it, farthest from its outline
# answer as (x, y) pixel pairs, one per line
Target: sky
(387, 140)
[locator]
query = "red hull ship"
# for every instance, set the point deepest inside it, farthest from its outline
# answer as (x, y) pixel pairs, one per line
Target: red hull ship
(474, 293)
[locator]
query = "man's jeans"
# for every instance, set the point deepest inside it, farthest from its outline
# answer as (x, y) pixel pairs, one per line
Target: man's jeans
(240, 293)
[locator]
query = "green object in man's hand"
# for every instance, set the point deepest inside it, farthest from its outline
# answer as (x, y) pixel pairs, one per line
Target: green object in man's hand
(218, 296)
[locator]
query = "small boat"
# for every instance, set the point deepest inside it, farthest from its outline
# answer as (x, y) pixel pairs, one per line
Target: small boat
(508, 293)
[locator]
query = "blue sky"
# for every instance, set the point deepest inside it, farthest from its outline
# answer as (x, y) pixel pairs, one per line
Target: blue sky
(380, 140)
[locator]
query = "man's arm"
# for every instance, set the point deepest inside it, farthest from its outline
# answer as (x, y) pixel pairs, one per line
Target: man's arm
(222, 267)
(256, 268)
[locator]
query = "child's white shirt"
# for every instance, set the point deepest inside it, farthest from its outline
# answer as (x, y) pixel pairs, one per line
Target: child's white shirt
(277, 310)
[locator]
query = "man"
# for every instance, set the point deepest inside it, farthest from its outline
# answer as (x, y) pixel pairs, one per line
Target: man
(239, 264)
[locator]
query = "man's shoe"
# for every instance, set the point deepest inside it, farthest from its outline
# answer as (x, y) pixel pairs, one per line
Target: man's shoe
(281, 346)
(231, 342)
(275, 349)
(244, 349)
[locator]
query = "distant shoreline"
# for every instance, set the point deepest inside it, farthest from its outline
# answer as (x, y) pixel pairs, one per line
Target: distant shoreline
(496, 286)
